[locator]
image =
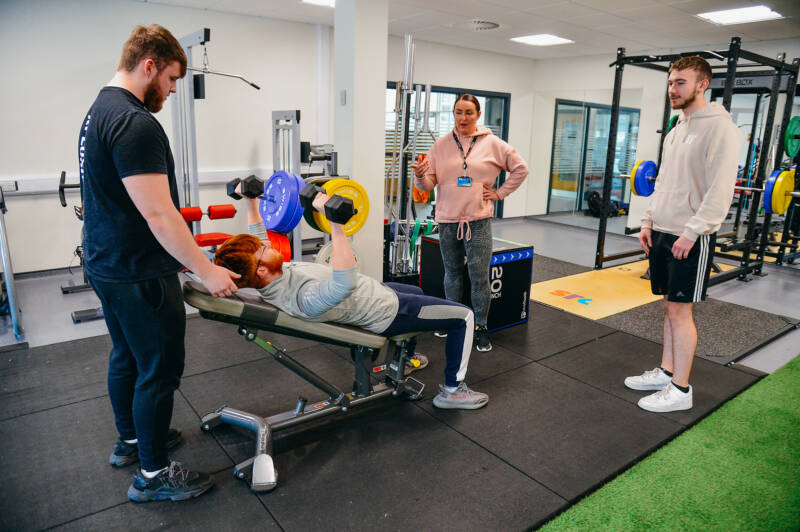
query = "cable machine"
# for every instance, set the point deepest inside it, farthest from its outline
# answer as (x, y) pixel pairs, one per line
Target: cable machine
(188, 89)
(399, 189)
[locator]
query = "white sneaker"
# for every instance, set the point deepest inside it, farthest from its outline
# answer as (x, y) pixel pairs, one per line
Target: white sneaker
(669, 399)
(655, 379)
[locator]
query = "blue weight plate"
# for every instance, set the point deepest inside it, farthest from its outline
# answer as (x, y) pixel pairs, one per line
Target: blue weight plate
(769, 185)
(294, 205)
(299, 210)
(645, 178)
(275, 203)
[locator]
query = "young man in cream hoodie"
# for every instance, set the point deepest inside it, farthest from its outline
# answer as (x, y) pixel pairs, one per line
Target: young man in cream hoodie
(692, 197)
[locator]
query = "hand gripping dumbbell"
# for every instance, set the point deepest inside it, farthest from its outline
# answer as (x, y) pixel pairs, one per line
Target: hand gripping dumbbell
(337, 209)
(252, 187)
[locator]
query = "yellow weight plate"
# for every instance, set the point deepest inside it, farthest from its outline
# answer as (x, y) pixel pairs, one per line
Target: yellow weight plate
(633, 176)
(780, 199)
(347, 188)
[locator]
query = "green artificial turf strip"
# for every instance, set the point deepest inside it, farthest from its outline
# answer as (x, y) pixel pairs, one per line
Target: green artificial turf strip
(738, 469)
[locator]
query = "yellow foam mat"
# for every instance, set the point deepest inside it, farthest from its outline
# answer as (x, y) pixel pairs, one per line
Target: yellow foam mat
(600, 293)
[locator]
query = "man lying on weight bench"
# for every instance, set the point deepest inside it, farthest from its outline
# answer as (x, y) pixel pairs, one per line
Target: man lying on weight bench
(319, 293)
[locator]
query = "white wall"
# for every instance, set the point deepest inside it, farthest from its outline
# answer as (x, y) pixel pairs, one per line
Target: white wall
(58, 54)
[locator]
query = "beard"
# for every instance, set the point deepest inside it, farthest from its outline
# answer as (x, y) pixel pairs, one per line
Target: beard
(153, 100)
(683, 104)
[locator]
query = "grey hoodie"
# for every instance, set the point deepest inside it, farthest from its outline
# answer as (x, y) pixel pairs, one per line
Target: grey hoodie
(699, 163)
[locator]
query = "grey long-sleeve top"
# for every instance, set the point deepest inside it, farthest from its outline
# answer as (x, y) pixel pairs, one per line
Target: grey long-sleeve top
(316, 292)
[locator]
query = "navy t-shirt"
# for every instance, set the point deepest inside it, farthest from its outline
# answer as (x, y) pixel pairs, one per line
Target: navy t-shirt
(120, 138)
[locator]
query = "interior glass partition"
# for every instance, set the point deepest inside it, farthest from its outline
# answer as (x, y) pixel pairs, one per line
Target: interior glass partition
(580, 142)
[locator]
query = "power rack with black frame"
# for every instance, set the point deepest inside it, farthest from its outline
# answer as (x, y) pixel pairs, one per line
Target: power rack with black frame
(759, 83)
(731, 57)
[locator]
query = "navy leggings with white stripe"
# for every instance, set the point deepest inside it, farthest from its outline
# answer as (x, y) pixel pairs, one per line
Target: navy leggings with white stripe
(418, 312)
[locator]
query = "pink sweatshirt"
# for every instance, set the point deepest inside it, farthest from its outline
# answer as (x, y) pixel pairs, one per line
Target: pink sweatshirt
(489, 156)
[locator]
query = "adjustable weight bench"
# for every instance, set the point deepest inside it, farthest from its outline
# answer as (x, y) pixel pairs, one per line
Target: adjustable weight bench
(251, 314)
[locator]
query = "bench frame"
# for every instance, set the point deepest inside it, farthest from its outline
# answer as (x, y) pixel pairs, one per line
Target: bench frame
(389, 375)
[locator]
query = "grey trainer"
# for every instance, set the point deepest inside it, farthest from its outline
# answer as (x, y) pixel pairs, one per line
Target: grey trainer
(461, 398)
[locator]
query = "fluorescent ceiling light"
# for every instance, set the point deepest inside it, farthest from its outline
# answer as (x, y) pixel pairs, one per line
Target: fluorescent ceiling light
(740, 16)
(542, 39)
(326, 3)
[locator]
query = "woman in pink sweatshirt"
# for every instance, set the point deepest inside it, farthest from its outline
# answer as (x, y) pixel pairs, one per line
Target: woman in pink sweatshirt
(464, 165)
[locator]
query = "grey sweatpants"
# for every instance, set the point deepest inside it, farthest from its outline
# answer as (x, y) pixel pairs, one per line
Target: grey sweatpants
(478, 253)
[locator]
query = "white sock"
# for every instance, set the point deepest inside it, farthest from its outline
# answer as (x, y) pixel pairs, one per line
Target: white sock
(451, 389)
(152, 474)
(131, 442)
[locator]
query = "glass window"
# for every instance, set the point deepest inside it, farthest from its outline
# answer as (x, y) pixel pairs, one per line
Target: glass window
(580, 145)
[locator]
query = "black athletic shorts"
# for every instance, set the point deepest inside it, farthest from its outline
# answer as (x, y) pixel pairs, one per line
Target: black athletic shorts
(682, 281)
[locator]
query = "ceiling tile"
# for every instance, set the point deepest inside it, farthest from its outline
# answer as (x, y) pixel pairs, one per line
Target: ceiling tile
(459, 8)
(611, 6)
(787, 8)
(565, 11)
(522, 5)
(603, 20)
(398, 10)
(650, 12)
(768, 30)
(694, 7)
(596, 26)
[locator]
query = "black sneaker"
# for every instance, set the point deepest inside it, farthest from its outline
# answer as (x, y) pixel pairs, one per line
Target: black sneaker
(482, 342)
(126, 454)
(174, 483)
(440, 334)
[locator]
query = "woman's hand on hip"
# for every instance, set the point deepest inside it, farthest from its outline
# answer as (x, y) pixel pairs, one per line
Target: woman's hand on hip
(490, 194)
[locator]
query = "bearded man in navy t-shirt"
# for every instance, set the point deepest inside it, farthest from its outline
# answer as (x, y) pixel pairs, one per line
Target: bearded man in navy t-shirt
(134, 243)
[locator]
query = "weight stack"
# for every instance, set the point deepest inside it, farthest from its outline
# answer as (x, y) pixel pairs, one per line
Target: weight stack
(404, 278)
(510, 272)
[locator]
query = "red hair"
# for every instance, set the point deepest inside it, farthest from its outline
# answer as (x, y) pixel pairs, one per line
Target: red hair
(238, 254)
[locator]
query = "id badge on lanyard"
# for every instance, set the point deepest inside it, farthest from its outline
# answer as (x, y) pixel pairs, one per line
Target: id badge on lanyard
(464, 180)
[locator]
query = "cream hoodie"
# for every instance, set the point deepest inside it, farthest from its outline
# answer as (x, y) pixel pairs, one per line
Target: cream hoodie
(699, 163)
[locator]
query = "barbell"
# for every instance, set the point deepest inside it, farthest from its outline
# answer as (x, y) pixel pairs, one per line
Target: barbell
(281, 206)
(778, 189)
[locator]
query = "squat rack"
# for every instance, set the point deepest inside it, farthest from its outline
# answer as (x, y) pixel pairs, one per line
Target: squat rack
(731, 58)
(759, 83)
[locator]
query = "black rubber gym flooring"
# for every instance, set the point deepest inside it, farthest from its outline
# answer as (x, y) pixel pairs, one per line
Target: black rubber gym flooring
(725, 329)
(559, 423)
